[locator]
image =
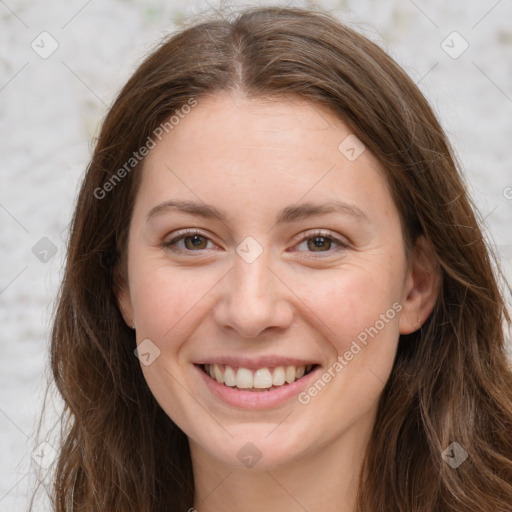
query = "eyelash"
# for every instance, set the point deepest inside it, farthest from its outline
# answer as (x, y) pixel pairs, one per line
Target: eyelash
(304, 237)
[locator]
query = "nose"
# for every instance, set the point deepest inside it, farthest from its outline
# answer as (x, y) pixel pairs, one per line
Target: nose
(254, 300)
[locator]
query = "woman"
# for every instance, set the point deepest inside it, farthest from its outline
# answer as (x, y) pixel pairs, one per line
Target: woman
(277, 296)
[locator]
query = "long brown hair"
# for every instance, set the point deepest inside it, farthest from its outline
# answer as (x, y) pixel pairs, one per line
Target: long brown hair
(450, 382)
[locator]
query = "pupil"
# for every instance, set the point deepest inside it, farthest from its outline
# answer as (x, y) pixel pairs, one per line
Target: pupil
(320, 242)
(196, 240)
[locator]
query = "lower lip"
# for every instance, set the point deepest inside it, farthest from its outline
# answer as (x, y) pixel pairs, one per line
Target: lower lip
(257, 399)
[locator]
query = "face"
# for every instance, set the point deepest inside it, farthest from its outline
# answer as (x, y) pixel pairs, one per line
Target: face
(261, 251)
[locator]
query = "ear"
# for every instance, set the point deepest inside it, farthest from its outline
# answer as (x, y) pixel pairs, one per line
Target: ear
(421, 287)
(122, 294)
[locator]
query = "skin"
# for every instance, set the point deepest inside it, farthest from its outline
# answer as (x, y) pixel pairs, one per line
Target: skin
(251, 158)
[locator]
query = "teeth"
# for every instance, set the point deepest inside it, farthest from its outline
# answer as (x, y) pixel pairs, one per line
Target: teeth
(262, 378)
(278, 379)
(244, 378)
(218, 376)
(229, 377)
(290, 374)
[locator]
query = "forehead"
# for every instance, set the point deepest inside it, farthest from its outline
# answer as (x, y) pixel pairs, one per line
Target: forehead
(237, 151)
(229, 122)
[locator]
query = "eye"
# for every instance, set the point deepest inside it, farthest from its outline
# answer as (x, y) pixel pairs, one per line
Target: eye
(321, 241)
(188, 241)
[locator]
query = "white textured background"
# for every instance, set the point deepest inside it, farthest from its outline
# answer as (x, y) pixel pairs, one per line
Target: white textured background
(51, 109)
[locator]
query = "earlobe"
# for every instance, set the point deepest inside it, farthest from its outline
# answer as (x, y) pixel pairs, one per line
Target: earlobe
(422, 287)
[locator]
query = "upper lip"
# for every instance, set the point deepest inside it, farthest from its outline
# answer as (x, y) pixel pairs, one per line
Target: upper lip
(253, 363)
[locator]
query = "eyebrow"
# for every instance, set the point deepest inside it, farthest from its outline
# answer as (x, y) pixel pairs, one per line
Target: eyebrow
(286, 215)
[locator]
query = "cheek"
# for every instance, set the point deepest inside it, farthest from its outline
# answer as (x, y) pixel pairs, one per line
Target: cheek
(359, 320)
(169, 305)
(349, 301)
(167, 301)
(357, 312)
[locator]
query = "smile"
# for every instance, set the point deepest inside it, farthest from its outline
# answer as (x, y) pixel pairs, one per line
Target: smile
(260, 379)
